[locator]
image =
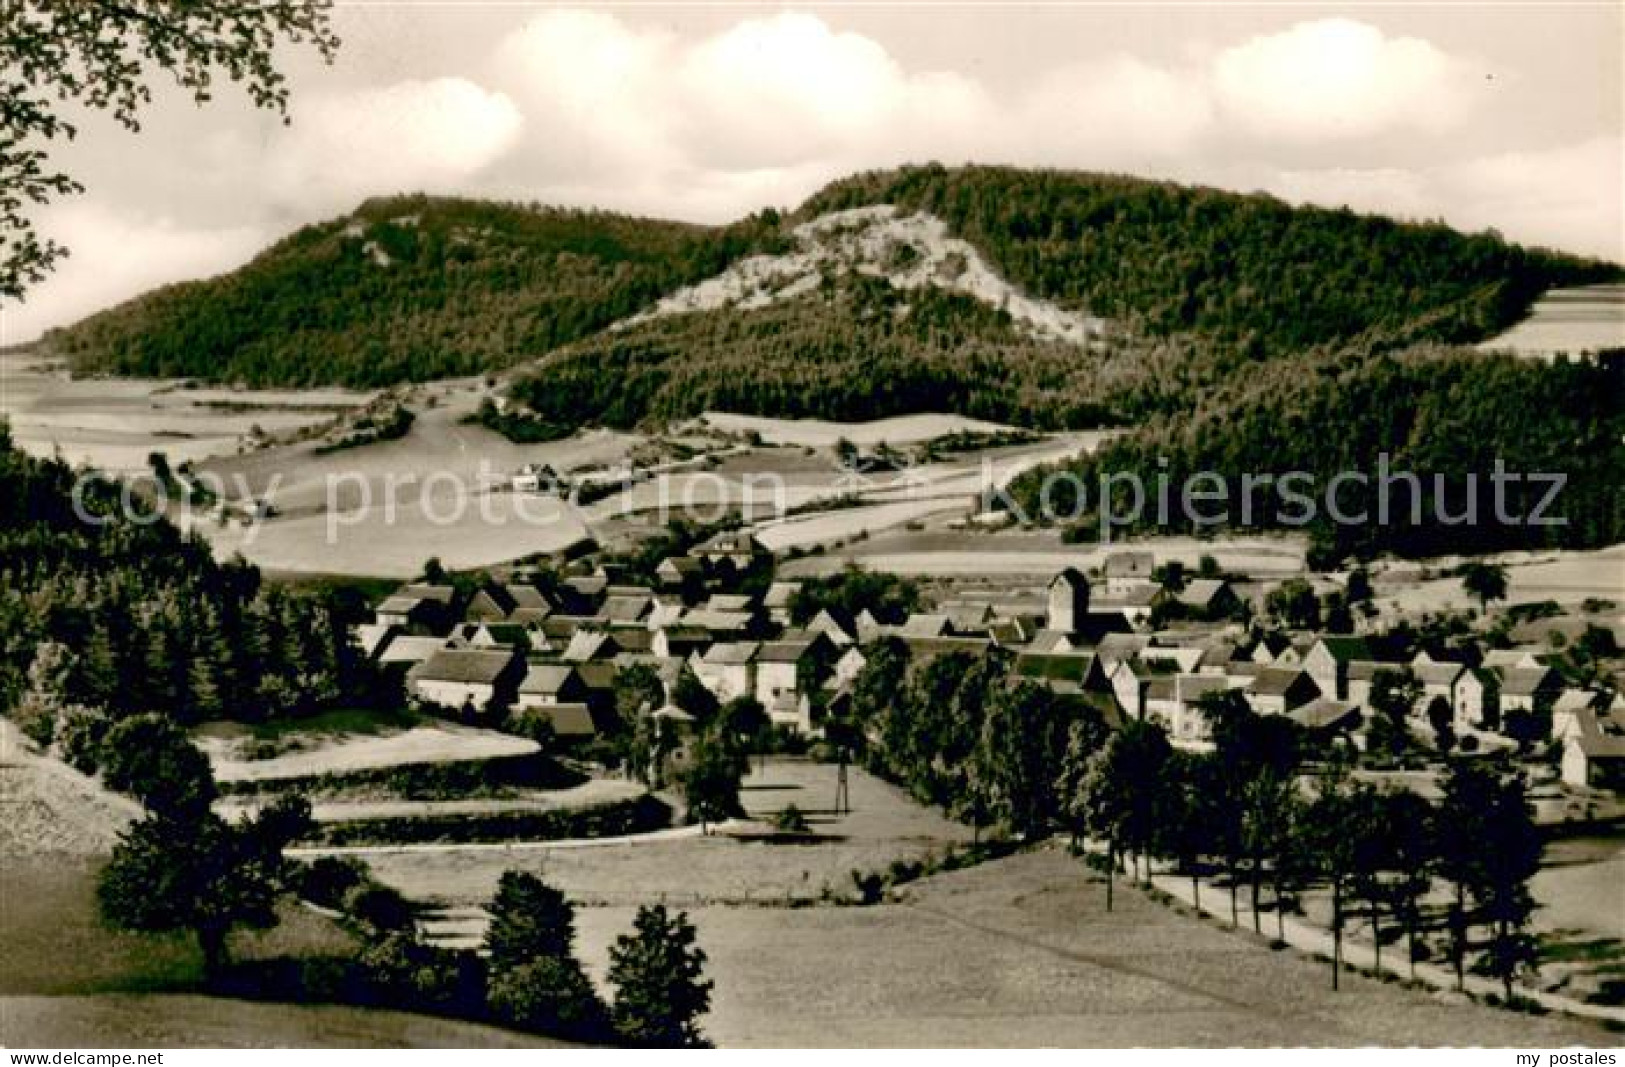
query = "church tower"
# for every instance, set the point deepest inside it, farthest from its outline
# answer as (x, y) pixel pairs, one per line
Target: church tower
(1068, 601)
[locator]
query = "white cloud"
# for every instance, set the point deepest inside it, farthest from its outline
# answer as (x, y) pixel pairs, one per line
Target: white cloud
(1112, 112)
(1337, 78)
(116, 254)
(413, 134)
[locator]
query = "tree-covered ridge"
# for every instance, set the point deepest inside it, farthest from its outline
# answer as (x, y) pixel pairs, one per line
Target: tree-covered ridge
(116, 617)
(1431, 412)
(408, 289)
(1248, 271)
(856, 348)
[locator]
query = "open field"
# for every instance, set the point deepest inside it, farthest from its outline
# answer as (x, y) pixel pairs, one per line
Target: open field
(1022, 952)
(1568, 320)
(115, 423)
(1015, 553)
(382, 509)
(693, 869)
(430, 741)
(1567, 577)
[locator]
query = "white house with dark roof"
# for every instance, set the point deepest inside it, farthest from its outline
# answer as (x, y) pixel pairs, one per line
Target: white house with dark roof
(728, 669)
(1280, 690)
(547, 684)
(483, 679)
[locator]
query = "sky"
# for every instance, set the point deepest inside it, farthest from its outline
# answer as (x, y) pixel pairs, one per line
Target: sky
(1482, 114)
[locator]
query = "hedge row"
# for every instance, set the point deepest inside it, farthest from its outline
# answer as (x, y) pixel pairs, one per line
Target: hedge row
(454, 780)
(615, 819)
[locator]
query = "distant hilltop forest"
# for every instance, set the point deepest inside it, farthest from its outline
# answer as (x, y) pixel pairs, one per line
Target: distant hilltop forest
(416, 288)
(1224, 322)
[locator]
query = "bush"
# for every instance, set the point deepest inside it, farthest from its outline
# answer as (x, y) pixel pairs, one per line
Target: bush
(458, 779)
(329, 880)
(403, 973)
(80, 736)
(790, 820)
(606, 820)
(549, 994)
(378, 908)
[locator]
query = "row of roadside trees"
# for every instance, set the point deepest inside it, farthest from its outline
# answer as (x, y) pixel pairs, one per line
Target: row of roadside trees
(1253, 811)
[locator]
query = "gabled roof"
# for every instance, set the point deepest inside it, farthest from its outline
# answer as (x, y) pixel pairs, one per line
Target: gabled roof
(688, 634)
(684, 566)
(1191, 687)
(527, 596)
(587, 584)
(563, 627)
(1217, 652)
(506, 633)
(731, 653)
(923, 625)
(1121, 646)
(1130, 563)
(1137, 595)
(783, 651)
(730, 602)
(587, 645)
(717, 621)
(547, 678)
(1345, 648)
(1597, 737)
(1526, 681)
(1201, 592)
(406, 649)
(401, 604)
(1366, 669)
(633, 641)
(440, 594)
(1278, 681)
(598, 674)
(1051, 641)
(1438, 673)
(1524, 656)
(373, 636)
(965, 618)
(567, 720)
(1180, 658)
(474, 666)
(779, 593)
(731, 543)
(627, 608)
(1324, 714)
(496, 596)
(1573, 699)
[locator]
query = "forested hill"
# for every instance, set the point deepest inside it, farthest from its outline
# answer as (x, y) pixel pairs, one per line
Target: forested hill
(414, 288)
(407, 289)
(104, 609)
(1248, 272)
